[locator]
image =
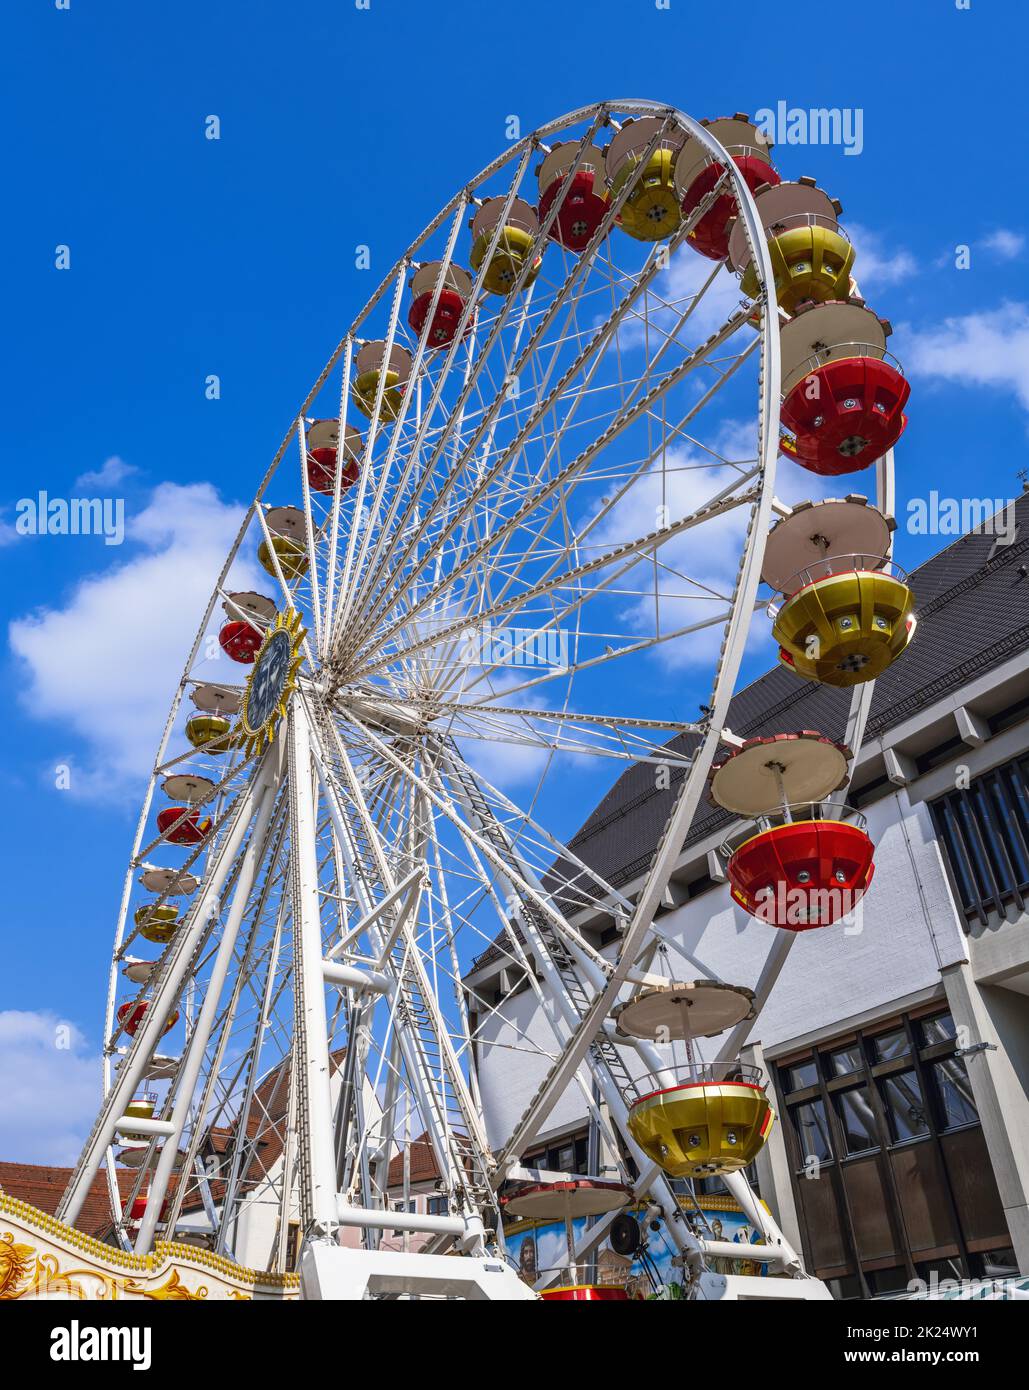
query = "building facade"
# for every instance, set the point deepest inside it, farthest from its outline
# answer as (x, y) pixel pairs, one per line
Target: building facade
(896, 1042)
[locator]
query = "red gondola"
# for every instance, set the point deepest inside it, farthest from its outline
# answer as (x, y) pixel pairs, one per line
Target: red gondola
(240, 640)
(191, 828)
(696, 174)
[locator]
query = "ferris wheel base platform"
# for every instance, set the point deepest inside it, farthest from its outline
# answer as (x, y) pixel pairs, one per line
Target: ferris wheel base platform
(730, 1287)
(330, 1271)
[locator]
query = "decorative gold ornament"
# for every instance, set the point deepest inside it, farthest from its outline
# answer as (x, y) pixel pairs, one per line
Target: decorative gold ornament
(16, 1266)
(271, 682)
(66, 1263)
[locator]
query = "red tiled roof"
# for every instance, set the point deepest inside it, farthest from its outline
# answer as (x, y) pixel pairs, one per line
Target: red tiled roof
(424, 1167)
(43, 1187)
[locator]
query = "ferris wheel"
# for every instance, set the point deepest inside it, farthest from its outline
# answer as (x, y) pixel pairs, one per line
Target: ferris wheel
(540, 464)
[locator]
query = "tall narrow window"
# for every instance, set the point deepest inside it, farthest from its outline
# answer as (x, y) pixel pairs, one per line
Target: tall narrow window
(984, 830)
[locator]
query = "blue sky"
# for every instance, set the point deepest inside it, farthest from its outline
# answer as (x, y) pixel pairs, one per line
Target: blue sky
(234, 257)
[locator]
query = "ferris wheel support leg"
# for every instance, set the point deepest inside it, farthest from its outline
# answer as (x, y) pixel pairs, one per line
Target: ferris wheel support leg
(314, 1111)
(407, 973)
(169, 987)
(763, 1221)
(193, 1060)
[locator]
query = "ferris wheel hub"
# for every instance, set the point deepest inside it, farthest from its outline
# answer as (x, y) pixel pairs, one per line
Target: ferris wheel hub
(382, 714)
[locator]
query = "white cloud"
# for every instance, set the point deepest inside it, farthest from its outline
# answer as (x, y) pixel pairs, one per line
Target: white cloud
(980, 349)
(105, 665)
(876, 265)
(114, 471)
(1004, 244)
(51, 1088)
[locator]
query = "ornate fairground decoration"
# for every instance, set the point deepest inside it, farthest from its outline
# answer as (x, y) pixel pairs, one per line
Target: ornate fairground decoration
(41, 1257)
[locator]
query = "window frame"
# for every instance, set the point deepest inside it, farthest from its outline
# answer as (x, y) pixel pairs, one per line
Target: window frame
(920, 1058)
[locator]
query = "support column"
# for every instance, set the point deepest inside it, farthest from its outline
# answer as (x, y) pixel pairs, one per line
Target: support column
(1000, 1100)
(197, 1044)
(164, 998)
(311, 1036)
(773, 1165)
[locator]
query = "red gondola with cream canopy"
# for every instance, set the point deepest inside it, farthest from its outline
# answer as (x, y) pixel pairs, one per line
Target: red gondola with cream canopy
(453, 299)
(585, 200)
(802, 860)
(843, 393)
(697, 173)
(322, 452)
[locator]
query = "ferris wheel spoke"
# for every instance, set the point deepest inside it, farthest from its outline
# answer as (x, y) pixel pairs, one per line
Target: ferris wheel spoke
(415, 451)
(628, 554)
(555, 871)
(354, 567)
(633, 477)
(222, 1032)
(539, 412)
(512, 523)
(590, 359)
(508, 868)
(570, 282)
(604, 740)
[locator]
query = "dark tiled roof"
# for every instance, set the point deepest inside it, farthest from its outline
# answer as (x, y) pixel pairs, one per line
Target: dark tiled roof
(973, 612)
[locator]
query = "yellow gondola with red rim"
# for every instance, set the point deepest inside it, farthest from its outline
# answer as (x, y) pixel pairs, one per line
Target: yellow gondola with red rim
(652, 210)
(810, 253)
(714, 1119)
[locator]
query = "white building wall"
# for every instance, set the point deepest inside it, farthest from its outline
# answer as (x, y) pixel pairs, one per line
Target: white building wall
(903, 933)
(511, 1070)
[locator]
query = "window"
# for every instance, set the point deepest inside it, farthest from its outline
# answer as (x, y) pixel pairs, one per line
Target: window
(813, 1130)
(293, 1242)
(984, 830)
(857, 1120)
(715, 1187)
(904, 1106)
(845, 1060)
(888, 1046)
(569, 1156)
(1009, 716)
(996, 1264)
(940, 1028)
(805, 1074)
(904, 1179)
(438, 1206)
(942, 753)
(953, 1093)
(894, 1280)
(871, 791)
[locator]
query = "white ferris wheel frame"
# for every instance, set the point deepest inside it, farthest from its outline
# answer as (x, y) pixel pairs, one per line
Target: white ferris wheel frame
(307, 760)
